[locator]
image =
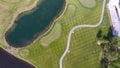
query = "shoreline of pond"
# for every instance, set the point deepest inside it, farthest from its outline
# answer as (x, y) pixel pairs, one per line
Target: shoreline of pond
(15, 17)
(38, 36)
(7, 56)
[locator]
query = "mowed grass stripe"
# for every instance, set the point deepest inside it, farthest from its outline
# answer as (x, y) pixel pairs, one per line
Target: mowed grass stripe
(82, 39)
(87, 48)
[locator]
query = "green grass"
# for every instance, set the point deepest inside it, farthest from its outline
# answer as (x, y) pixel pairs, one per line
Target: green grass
(12, 1)
(52, 35)
(88, 3)
(24, 52)
(84, 54)
(84, 51)
(71, 9)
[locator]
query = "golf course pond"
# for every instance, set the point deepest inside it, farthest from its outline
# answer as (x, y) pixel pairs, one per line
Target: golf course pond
(28, 26)
(9, 61)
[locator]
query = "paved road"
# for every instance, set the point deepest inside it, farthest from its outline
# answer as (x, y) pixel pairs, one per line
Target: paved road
(77, 27)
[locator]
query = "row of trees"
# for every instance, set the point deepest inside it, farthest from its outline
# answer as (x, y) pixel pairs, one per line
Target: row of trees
(108, 44)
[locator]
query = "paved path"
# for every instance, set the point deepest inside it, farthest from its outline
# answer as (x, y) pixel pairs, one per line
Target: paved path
(77, 27)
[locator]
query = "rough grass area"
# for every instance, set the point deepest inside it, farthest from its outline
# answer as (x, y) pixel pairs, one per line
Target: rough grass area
(52, 35)
(84, 51)
(70, 10)
(12, 1)
(88, 3)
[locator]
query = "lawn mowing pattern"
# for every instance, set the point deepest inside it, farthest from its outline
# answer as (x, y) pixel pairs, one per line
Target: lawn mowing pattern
(87, 48)
(49, 57)
(84, 54)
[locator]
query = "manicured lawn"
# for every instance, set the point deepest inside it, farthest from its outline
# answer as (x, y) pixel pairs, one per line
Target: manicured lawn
(84, 51)
(52, 35)
(88, 3)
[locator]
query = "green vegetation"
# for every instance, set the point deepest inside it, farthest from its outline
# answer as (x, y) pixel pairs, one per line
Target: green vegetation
(12, 1)
(70, 13)
(52, 36)
(88, 3)
(24, 52)
(110, 49)
(84, 51)
(108, 45)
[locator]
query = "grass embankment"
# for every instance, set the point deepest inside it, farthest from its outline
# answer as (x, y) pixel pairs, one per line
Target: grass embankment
(84, 51)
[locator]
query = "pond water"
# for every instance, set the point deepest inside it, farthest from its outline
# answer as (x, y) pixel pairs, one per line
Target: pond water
(9, 61)
(30, 26)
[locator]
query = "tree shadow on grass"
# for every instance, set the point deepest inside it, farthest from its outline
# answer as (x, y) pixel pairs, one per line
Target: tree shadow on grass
(99, 34)
(108, 37)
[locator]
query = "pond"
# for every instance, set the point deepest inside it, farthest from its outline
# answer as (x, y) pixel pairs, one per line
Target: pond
(9, 61)
(29, 26)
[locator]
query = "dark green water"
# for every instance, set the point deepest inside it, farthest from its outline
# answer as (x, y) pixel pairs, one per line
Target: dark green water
(9, 61)
(29, 26)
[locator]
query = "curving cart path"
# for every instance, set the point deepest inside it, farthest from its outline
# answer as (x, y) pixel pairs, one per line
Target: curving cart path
(81, 26)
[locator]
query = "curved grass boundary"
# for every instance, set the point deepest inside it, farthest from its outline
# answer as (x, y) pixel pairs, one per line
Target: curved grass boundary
(70, 10)
(88, 3)
(52, 36)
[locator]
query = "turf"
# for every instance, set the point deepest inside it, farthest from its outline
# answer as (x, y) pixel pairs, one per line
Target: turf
(51, 36)
(12, 1)
(88, 3)
(84, 51)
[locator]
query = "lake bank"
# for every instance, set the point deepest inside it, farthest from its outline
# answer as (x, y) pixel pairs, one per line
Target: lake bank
(16, 16)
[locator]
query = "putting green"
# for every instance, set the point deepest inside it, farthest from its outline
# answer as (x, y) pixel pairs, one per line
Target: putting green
(52, 36)
(88, 3)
